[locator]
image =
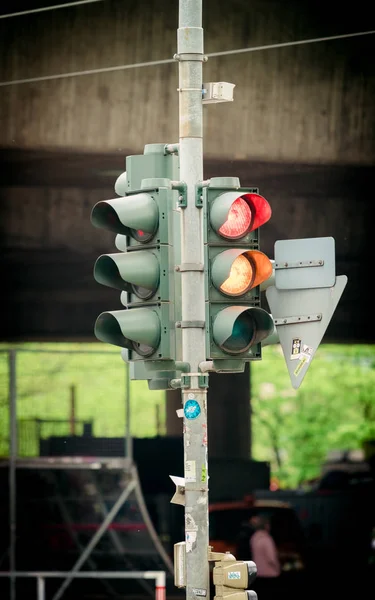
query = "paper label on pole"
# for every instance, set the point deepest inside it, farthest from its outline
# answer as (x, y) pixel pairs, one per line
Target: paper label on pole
(199, 592)
(190, 471)
(190, 538)
(190, 524)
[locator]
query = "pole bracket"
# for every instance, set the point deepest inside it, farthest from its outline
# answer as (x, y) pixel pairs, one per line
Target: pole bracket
(300, 319)
(196, 56)
(182, 189)
(202, 381)
(189, 267)
(171, 148)
(199, 195)
(190, 324)
(301, 263)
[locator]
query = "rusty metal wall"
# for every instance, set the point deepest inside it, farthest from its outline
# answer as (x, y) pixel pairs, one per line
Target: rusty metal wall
(301, 103)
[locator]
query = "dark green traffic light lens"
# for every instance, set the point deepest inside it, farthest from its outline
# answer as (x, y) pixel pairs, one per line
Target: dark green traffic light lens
(242, 336)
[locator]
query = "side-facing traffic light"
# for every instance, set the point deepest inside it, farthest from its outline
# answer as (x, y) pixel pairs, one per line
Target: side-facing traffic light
(143, 270)
(234, 269)
(231, 579)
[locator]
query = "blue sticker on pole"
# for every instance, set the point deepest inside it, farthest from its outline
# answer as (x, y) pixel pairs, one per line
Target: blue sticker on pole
(192, 410)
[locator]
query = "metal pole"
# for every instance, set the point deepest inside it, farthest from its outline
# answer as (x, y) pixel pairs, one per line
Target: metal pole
(72, 413)
(12, 469)
(41, 589)
(129, 439)
(160, 586)
(194, 397)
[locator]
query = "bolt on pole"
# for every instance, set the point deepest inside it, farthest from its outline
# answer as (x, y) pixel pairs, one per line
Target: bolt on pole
(194, 394)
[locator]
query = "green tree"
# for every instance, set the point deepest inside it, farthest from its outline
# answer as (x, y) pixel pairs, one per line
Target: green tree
(333, 409)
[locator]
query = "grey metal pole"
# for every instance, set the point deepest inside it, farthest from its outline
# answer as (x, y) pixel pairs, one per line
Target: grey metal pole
(41, 588)
(194, 397)
(129, 439)
(12, 468)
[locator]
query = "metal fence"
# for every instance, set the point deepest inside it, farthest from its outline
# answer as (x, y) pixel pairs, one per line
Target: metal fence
(53, 396)
(58, 392)
(70, 392)
(41, 577)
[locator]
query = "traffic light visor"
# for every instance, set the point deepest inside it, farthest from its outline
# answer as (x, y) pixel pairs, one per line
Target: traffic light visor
(129, 271)
(237, 270)
(137, 216)
(233, 216)
(237, 328)
(137, 329)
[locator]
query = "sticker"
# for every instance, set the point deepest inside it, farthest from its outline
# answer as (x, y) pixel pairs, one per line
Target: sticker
(204, 439)
(234, 575)
(202, 500)
(204, 474)
(296, 348)
(191, 538)
(307, 352)
(190, 524)
(300, 365)
(192, 409)
(199, 592)
(190, 471)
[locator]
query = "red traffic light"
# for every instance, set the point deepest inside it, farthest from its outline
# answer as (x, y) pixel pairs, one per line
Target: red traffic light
(235, 216)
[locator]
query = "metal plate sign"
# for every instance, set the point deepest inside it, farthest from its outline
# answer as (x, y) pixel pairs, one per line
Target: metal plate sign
(301, 318)
(305, 264)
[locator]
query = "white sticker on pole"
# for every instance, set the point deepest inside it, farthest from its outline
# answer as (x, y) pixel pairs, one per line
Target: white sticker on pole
(190, 471)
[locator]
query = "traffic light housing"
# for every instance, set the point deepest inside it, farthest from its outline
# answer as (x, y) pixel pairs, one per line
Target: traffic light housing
(234, 269)
(231, 579)
(143, 269)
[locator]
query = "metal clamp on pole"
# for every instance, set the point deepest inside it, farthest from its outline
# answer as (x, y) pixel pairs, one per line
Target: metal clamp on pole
(301, 263)
(190, 324)
(171, 148)
(190, 267)
(300, 319)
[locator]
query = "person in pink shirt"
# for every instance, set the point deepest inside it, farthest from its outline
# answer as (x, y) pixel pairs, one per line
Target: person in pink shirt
(264, 554)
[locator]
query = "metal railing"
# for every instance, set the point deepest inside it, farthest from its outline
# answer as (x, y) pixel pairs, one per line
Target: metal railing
(24, 384)
(159, 576)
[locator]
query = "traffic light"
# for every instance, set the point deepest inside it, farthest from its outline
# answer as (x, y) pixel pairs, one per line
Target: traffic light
(143, 269)
(234, 269)
(231, 579)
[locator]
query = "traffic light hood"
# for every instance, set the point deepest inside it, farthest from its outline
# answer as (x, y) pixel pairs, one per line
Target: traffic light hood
(256, 268)
(123, 270)
(224, 212)
(127, 215)
(130, 329)
(237, 328)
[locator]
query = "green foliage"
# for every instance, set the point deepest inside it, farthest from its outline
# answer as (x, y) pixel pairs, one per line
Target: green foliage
(95, 375)
(293, 429)
(333, 409)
